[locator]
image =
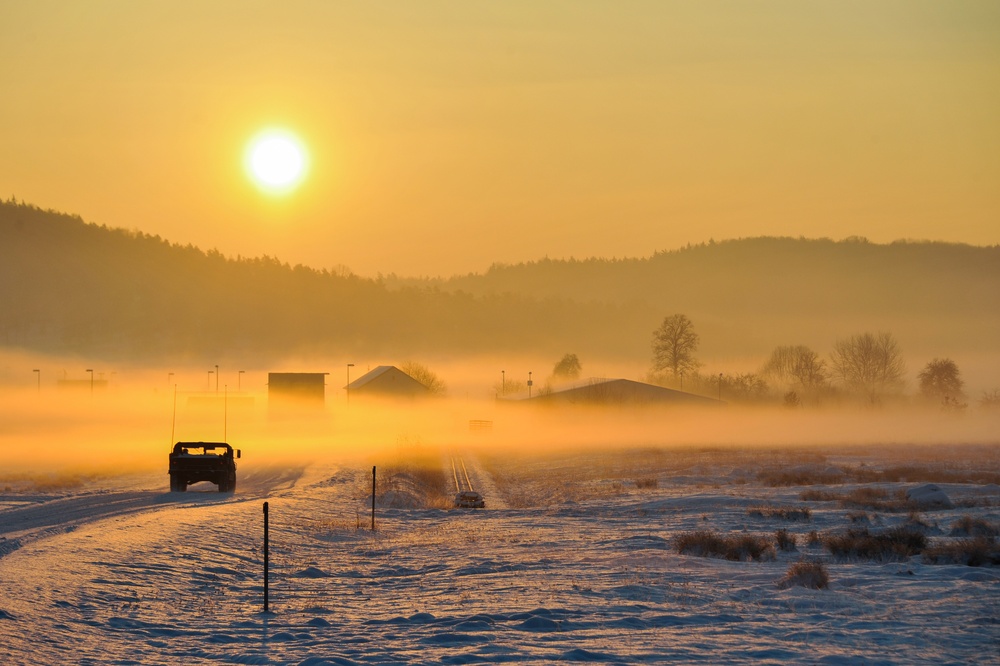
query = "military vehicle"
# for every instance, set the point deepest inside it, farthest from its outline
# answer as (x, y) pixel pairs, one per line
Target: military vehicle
(469, 499)
(191, 462)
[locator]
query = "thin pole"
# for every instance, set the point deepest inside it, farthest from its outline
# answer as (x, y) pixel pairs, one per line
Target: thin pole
(373, 498)
(225, 413)
(266, 563)
(173, 419)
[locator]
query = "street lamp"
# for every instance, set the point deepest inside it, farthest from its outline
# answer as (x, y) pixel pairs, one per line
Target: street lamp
(503, 383)
(208, 387)
(216, 377)
(529, 384)
(348, 387)
(91, 371)
(38, 373)
(239, 382)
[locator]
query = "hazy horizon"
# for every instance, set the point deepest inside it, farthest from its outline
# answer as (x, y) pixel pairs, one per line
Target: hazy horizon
(486, 133)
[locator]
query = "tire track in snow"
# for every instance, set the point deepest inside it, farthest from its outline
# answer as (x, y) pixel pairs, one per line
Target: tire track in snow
(23, 525)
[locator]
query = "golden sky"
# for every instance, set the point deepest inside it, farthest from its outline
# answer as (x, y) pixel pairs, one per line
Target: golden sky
(444, 136)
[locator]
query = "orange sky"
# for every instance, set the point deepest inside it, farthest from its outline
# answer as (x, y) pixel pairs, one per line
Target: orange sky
(444, 136)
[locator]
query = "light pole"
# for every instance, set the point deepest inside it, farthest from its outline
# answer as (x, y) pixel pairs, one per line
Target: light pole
(529, 384)
(720, 386)
(208, 387)
(91, 371)
(170, 378)
(38, 373)
(216, 378)
(348, 387)
(503, 383)
(239, 380)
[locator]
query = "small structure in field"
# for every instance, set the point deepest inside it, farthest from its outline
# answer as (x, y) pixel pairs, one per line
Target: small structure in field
(296, 388)
(387, 381)
(621, 392)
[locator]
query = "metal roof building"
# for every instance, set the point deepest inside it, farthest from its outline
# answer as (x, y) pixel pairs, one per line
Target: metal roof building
(387, 381)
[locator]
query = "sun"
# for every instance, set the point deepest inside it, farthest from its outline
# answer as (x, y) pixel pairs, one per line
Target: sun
(276, 161)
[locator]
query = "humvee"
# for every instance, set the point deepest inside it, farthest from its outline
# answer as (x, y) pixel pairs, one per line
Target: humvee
(191, 462)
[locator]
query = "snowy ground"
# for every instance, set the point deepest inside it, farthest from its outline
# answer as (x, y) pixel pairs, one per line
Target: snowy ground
(571, 561)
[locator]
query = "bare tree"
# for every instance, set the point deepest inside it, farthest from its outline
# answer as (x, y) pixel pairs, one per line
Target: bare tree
(798, 365)
(425, 376)
(868, 363)
(941, 380)
(674, 344)
(568, 367)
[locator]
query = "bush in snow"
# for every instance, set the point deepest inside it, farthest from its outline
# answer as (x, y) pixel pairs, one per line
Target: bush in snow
(735, 547)
(806, 574)
(969, 526)
(786, 541)
(974, 552)
(895, 544)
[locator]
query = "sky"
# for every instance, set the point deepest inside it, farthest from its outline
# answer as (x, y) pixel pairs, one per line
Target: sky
(445, 136)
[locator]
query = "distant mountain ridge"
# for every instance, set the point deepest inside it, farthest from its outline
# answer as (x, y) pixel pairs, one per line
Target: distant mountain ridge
(69, 286)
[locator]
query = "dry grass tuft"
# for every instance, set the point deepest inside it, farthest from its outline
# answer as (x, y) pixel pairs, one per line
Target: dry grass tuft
(893, 545)
(783, 478)
(969, 526)
(734, 547)
(806, 574)
(784, 513)
(786, 540)
(974, 552)
(648, 482)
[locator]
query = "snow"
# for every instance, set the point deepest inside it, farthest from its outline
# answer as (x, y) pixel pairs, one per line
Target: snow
(122, 572)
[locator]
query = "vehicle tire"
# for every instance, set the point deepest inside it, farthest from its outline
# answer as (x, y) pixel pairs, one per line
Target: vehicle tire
(177, 484)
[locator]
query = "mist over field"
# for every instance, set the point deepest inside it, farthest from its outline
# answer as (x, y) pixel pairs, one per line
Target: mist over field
(499, 332)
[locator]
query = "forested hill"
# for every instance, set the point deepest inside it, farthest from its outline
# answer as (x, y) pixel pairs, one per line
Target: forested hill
(69, 286)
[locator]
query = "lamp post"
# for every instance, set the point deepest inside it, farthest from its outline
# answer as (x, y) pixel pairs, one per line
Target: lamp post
(170, 378)
(720, 386)
(91, 371)
(208, 387)
(503, 383)
(348, 387)
(217, 378)
(529, 384)
(38, 373)
(239, 380)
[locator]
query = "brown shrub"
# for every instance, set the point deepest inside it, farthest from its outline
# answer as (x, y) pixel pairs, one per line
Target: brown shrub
(735, 547)
(892, 545)
(806, 574)
(786, 541)
(969, 526)
(649, 482)
(974, 552)
(784, 513)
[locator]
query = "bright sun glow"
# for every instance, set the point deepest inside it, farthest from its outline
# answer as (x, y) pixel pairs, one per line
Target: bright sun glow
(276, 161)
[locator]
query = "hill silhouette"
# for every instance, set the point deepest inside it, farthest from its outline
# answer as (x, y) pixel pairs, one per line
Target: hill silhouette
(71, 287)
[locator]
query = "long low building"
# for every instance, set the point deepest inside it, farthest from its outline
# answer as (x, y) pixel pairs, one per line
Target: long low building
(622, 392)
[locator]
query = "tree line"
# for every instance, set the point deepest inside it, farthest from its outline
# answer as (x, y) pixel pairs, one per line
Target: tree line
(867, 365)
(68, 286)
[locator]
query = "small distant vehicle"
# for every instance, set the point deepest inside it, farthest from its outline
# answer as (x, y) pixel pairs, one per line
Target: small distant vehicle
(469, 499)
(191, 462)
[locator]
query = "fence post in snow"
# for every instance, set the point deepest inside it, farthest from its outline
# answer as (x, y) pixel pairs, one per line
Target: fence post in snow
(265, 559)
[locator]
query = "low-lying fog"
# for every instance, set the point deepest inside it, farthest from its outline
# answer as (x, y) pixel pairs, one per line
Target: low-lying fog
(128, 419)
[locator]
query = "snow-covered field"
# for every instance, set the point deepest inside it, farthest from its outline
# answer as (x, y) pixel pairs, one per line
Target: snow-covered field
(573, 559)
